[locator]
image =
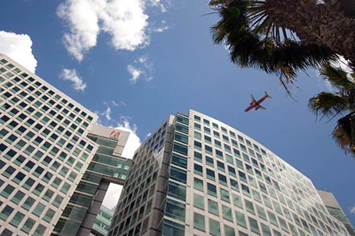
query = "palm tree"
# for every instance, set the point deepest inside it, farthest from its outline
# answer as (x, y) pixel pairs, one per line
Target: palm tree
(284, 37)
(327, 23)
(255, 41)
(339, 103)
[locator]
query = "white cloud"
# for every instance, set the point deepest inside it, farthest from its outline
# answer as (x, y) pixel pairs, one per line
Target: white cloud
(141, 68)
(112, 195)
(118, 104)
(107, 113)
(19, 48)
(135, 73)
(352, 210)
(71, 75)
(124, 20)
(133, 140)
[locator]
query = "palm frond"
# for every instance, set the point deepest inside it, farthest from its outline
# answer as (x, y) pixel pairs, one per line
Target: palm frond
(344, 133)
(328, 104)
(337, 77)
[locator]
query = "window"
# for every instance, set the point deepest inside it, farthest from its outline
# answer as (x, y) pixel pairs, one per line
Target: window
(254, 225)
(241, 219)
(16, 220)
(181, 138)
(169, 228)
(7, 191)
(28, 203)
(249, 206)
(224, 195)
(199, 221)
(222, 179)
(198, 184)
(175, 210)
(197, 135)
(272, 218)
(212, 207)
(177, 191)
(261, 212)
(197, 145)
(6, 212)
(237, 201)
(179, 160)
(215, 228)
(209, 161)
(211, 189)
(210, 174)
(227, 213)
(208, 149)
(198, 169)
(245, 190)
(28, 225)
(199, 201)
(180, 148)
(242, 176)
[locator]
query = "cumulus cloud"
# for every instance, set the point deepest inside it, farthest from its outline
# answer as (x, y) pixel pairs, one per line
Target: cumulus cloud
(133, 141)
(19, 48)
(71, 75)
(135, 73)
(141, 68)
(124, 20)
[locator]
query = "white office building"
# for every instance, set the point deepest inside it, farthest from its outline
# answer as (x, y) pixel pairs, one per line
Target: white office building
(198, 176)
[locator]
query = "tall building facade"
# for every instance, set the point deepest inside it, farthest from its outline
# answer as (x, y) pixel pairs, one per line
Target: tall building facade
(44, 150)
(198, 176)
(55, 163)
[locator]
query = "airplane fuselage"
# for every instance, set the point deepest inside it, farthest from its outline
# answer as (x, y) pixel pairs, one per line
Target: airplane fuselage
(256, 104)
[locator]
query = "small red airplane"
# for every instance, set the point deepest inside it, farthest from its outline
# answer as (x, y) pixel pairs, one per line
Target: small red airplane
(256, 104)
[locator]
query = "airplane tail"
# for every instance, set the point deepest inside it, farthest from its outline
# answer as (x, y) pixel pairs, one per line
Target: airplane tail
(267, 95)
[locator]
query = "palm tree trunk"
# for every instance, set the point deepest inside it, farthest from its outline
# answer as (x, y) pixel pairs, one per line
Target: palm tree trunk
(316, 24)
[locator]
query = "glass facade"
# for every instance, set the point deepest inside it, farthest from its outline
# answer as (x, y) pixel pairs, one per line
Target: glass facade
(103, 220)
(105, 163)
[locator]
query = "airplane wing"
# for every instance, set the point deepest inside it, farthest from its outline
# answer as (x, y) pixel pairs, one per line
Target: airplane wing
(261, 107)
(252, 98)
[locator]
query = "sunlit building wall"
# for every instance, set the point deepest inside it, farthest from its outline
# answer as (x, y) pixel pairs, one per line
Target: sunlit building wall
(198, 176)
(44, 150)
(55, 163)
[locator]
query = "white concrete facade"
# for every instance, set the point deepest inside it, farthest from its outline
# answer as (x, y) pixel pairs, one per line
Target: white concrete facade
(43, 150)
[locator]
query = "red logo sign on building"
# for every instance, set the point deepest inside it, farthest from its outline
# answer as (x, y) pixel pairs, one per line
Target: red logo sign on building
(115, 134)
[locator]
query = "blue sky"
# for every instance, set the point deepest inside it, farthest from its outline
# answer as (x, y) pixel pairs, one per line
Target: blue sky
(135, 62)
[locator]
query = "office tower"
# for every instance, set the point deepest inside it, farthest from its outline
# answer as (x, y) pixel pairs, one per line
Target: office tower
(198, 176)
(335, 209)
(44, 150)
(55, 164)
